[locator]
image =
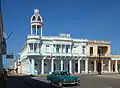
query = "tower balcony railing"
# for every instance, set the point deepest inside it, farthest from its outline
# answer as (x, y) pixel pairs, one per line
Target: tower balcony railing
(33, 36)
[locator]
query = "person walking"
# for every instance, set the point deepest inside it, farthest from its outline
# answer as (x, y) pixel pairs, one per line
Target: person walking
(4, 78)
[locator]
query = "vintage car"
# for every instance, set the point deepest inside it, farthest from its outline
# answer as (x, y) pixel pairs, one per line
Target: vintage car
(62, 77)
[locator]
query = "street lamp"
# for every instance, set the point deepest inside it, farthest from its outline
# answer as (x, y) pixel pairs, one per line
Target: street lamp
(99, 61)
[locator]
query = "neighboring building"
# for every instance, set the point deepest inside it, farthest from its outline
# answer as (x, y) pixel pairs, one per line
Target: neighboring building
(93, 48)
(115, 63)
(44, 54)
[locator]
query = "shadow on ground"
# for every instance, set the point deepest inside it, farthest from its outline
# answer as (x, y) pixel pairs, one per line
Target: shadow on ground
(26, 82)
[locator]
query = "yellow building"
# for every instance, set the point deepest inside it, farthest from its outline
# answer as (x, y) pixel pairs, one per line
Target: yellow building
(93, 48)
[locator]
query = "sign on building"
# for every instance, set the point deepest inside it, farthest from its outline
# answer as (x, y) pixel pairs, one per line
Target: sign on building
(65, 35)
(9, 56)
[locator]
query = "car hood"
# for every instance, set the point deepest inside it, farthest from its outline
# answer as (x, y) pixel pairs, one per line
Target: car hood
(68, 77)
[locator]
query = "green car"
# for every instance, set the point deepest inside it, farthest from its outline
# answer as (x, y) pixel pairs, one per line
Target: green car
(63, 77)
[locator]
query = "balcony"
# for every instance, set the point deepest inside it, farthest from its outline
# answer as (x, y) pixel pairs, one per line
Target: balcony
(103, 51)
(52, 54)
(33, 53)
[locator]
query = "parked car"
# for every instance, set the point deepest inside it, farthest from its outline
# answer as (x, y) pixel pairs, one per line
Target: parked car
(63, 77)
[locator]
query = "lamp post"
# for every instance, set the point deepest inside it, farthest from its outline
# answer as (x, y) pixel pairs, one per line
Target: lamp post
(99, 61)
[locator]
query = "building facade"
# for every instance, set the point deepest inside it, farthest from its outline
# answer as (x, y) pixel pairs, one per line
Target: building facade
(44, 54)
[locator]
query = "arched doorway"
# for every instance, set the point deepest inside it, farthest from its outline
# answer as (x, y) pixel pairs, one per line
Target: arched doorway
(76, 67)
(54, 66)
(45, 68)
(68, 67)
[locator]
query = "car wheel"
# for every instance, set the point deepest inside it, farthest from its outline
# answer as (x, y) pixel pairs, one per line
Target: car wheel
(78, 84)
(60, 85)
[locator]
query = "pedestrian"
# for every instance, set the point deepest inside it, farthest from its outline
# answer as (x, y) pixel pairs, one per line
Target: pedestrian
(4, 78)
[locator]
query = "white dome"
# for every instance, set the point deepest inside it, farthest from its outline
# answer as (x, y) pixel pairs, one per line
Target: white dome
(36, 19)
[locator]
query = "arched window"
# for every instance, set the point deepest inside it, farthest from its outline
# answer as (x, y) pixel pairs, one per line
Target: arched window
(33, 18)
(76, 67)
(91, 51)
(38, 18)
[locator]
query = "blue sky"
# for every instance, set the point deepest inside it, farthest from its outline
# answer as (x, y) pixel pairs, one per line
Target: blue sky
(91, 19)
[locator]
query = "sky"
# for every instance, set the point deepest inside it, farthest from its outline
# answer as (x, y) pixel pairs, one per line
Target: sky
(91, 19)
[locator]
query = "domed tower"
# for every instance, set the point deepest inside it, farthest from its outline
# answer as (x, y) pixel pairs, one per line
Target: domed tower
(36, 23)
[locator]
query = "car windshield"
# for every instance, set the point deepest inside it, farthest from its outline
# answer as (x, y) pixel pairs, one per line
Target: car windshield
(64, 73)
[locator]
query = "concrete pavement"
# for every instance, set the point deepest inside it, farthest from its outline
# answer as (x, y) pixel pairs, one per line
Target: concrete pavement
(117, 76)
(92, 81)
(87, 81)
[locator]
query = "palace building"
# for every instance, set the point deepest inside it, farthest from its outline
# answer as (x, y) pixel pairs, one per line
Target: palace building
(44, 54)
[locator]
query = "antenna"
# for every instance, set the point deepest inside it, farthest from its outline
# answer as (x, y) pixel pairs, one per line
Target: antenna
(9, 36)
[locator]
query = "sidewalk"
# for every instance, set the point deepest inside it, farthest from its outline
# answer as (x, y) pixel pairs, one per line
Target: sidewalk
(82, 74)
(116, 76)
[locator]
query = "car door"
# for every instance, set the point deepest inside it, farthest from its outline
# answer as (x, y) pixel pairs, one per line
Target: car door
(52, 77)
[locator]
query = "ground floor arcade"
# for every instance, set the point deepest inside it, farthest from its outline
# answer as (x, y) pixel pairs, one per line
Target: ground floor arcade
(45, 65)
(106, 65)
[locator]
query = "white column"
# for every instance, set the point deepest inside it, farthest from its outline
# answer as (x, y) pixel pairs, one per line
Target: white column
(52, 65)
(52, 48)
(86, 65)
(78, 65)
(32, 66)
(31, 30)
(28, 47)
(41, 31)
(70, 49)
(36, 29)
(42, 66)
(70, 66)
(95, 66)
(116, 67)
(102, 66)
(55, 48)
(61, 64)
(109, 65)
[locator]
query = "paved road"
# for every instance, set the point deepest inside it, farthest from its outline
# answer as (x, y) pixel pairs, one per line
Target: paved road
(41, 82)
(93, 82)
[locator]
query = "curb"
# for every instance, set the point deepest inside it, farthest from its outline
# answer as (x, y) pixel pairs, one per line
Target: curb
(82, 74)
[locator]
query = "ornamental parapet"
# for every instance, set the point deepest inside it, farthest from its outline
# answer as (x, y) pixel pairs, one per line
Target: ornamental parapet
(99, 41)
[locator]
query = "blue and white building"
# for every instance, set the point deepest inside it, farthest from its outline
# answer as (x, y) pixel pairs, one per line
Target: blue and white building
(43, 54)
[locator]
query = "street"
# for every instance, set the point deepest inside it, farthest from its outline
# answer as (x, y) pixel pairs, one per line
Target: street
(93, 81)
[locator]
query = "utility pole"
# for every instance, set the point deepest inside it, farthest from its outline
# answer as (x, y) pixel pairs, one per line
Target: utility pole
(2, 39)
(99, 61)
